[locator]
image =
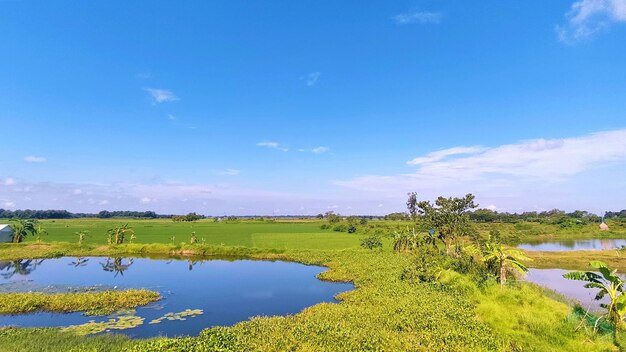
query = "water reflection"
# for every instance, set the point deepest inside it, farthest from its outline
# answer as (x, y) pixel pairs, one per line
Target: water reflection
(227, 291)
(20, 267)
(574, 245)
(80, 261)
(117, 265)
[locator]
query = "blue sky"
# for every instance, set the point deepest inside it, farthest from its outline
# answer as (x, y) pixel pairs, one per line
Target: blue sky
(300, 107)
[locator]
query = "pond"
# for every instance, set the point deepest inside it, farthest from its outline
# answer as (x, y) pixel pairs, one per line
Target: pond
(574, 245)
(572, 289)
(226, 291)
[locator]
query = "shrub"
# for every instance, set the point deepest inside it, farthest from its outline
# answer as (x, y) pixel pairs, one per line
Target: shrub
(351, 229)
(371, 242)
(340, 228)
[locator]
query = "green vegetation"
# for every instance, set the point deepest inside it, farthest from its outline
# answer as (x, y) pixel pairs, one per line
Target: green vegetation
(92, 303)
(21, 229)
(416, 297)
(504, 259)
(609, 284)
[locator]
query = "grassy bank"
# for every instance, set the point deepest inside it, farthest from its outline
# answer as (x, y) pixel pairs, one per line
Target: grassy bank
(578, 260)
(383, 313)
(92, 303)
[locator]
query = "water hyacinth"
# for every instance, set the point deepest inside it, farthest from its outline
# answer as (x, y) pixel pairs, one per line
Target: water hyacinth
(192, 313)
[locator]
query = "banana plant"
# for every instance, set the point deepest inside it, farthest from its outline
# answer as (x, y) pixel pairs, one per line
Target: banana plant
(505, 259)
(609, 284)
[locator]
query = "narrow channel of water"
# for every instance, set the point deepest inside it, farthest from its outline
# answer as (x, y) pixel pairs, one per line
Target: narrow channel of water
(574, 245)
(227, 291)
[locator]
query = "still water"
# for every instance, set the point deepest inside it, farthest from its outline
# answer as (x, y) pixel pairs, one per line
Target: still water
(574, 245)
(572, 289)
(227, 291)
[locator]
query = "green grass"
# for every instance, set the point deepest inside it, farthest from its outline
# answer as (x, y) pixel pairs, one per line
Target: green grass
(92, 303)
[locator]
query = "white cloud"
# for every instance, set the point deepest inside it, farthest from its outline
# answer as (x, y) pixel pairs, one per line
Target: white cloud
(316, 150)
(77, 191)
(161, 95)
(35, 159)
(229, 172)
(422, 17)
(8, 181)
(171, 117)
(492, 207)
(103, 202)
(8, 204)
(442, 154)
(589, 17)
(311, 78)
(272, 145)
(145, 200)
(538, 160)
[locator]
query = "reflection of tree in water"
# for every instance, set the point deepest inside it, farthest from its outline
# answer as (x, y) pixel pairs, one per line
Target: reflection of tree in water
(21, 267)
(116, 265)
(192, 263)
(80, 261)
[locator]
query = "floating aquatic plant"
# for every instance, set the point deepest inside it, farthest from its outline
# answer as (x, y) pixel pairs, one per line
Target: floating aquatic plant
(192, 313)
(93, 327)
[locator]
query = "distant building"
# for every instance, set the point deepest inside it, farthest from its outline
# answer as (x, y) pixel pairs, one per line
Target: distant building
(6, 233)
(604, 226)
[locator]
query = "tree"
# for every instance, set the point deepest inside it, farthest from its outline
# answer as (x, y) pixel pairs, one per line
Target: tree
(505, 259)
(449, 217)
(116, 235)
(411, 205)
(609, 284)
(21, 229)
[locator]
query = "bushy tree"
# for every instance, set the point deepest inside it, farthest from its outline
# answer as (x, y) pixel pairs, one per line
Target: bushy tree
(449, 217)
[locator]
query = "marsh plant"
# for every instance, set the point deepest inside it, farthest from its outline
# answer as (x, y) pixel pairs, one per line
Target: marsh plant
(193, 239)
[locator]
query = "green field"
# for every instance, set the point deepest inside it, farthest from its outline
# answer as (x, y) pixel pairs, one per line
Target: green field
(247, 233)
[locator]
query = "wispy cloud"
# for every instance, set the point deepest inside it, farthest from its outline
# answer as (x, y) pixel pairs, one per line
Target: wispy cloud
(422, 17)
(272, 145)
(35, 159)
(8, 181)
(228, 172)
(161, 95)
(8, 204)
(316, 150)
(442, 154)
(539, 160)
(589, 17)
(311, 79)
